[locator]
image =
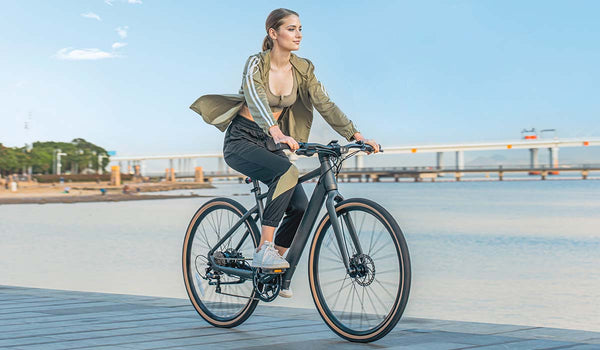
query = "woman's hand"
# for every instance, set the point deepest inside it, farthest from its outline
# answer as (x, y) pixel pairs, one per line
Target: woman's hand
(279, 137)
(372, 143)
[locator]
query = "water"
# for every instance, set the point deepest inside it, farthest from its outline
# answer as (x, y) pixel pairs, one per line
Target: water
(523, 252)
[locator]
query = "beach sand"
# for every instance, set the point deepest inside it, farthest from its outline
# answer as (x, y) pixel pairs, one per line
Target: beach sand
(32, 192)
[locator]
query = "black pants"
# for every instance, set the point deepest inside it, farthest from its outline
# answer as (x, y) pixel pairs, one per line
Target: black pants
(245, 150)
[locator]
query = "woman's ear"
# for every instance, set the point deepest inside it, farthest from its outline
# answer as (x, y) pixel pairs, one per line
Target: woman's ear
(272, 34)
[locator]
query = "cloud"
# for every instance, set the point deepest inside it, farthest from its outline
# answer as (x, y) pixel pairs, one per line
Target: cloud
(122, 31)
(134, 1)
(109, 2)
(118, 45)
(91, 15)
(71, 54)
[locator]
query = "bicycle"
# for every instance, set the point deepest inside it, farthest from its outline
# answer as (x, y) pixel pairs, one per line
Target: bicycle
(359, 265)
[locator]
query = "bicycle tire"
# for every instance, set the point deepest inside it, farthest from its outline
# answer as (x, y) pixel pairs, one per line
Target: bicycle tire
(209, 217)
(317, 271)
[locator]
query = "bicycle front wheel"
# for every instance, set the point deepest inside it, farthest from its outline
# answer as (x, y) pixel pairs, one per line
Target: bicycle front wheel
(222, 300)
(367, 303)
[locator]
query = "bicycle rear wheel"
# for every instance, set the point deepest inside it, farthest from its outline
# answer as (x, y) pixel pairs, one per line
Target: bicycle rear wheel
(222, 300)
(367, 304)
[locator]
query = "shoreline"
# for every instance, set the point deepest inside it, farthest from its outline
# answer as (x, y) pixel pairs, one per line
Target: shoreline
(33, 193)
(95, 198)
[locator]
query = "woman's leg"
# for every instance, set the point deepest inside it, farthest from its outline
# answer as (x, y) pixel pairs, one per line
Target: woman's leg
(275, 170)
(293, 215)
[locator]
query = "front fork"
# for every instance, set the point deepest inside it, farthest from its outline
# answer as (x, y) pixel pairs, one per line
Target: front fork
(334, 197)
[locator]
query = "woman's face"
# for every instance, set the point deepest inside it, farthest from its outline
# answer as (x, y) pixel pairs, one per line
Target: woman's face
(288, 36)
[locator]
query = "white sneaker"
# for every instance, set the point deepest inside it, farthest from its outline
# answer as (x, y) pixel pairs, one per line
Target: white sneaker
(286, 293)
(268, 258)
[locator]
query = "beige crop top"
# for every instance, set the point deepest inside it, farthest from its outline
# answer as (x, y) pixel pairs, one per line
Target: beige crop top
(277, 103)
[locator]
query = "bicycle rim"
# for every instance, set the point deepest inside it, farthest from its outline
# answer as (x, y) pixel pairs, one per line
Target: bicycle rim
(235, 301)
(367, 306)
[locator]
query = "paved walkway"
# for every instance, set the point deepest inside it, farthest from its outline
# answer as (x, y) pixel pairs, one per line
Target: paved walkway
(51, 320)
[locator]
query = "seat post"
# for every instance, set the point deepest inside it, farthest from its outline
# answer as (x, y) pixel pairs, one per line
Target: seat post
(257, 194)
(256, 188)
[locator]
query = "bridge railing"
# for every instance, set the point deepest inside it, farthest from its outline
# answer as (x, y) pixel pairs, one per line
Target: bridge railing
(407, 170)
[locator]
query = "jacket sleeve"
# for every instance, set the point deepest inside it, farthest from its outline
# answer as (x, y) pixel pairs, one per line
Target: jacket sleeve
(332, 114)
(255, 95)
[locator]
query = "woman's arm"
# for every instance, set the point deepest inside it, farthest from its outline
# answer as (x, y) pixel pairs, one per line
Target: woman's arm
(331, 112)
(256, 97)
(258, 105)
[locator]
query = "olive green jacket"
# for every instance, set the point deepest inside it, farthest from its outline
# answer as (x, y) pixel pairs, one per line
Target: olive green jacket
(295, 120)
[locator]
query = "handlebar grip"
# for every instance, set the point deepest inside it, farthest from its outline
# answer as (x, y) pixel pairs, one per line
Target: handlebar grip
(369, 148)
(272, 146)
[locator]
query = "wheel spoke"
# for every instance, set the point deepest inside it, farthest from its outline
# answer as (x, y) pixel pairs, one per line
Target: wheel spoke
(333, 251)
(362, 303)
(210, 227)
(338, 260)
(338, 293)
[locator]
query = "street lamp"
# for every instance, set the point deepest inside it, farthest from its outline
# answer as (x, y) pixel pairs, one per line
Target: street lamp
(100, 157)
(58, 165)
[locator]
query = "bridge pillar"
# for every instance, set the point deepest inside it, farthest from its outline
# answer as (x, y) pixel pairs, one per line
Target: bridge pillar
(221, 164)
(460, 160)
(553, 153)
(439, 157)
(198, 174)
(115, 175)
(533, 158)
(170, 175)
(359, 161)
(171, 163)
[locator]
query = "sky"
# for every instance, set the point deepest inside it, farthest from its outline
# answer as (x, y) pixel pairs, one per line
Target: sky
(123, 73)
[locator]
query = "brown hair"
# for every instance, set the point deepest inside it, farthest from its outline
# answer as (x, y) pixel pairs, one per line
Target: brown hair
(275, 20)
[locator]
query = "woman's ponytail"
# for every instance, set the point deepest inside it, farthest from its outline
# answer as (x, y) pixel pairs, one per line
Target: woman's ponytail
(267, 43)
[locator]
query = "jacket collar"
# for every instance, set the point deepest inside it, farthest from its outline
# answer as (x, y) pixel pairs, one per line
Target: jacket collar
(296, 62)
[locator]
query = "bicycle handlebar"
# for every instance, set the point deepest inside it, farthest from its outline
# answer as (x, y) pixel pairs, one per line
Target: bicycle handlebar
(333, 148)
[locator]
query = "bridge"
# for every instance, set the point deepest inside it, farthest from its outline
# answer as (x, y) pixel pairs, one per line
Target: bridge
(186, 162)
(418, 174)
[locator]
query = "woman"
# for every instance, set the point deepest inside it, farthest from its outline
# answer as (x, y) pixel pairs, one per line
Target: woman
(275, 104)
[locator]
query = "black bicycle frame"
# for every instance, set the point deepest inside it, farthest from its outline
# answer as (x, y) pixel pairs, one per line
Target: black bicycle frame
(326, 191)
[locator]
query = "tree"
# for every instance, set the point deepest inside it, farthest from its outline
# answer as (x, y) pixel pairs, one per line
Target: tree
(9, 162)
(80, 154)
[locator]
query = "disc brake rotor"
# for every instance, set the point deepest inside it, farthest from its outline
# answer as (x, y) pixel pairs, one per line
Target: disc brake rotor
(365, 269)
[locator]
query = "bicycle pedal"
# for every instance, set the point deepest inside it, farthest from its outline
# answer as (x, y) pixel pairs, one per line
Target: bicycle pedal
(277, 271)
